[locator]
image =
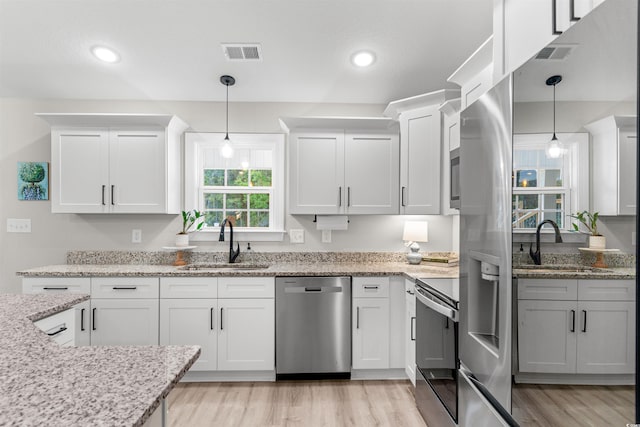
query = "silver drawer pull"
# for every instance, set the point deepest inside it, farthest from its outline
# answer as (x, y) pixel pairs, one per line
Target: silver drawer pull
(55, 288)
(371, 286)
(125, 288)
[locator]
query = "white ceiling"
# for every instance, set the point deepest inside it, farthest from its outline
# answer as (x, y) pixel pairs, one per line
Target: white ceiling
(171, 48)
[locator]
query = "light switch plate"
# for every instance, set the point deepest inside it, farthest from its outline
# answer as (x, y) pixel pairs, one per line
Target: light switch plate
(136, 236)
(16, 225)
(326, 236)
(296, 235)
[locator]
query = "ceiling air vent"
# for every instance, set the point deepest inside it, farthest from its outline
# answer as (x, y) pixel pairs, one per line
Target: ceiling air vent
(242, 51)
(555, 52)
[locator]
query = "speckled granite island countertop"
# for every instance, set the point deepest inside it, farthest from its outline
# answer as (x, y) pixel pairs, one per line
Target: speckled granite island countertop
(274, 269)
(578, 273)
(44, 384)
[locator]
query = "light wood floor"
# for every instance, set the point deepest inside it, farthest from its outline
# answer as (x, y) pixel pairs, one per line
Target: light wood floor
(569, 406)
(294, 403)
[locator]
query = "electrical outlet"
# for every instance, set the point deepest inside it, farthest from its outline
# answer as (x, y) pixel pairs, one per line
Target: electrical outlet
(296, 235)
(326, 236)
(15, 225)
(136, 236)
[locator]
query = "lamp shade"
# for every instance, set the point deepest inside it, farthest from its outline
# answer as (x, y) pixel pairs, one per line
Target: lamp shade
(416, 231)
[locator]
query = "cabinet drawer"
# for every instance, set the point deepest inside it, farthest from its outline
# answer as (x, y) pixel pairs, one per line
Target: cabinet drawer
(370, 287)
(71, 285)
(548, 289)
(606, 290)
(188, 287)
(60, 327)
(246, 287)
(125, 287)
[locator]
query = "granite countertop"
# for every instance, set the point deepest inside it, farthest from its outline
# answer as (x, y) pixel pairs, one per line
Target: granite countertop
(274, 269)
(42, 383)
(580, 272)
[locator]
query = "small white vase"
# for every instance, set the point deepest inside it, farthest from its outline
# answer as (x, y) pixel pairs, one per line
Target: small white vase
(597, 242)
(182, 240)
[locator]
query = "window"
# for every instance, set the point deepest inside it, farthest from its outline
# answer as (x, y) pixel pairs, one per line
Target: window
(249, 186)
(545, 188)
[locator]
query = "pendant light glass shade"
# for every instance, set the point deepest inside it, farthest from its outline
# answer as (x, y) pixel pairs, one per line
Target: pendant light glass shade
(227, 150)
(555, 147)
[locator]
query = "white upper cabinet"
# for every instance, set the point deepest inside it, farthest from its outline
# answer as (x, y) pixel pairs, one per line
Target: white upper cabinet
(343, 165)
(475, 75)
(420, 150)
(615, 143)
(115, 163)
(522, 28)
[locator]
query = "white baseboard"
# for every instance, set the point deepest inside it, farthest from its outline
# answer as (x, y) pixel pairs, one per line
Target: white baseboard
(228, 376)
(575, 379)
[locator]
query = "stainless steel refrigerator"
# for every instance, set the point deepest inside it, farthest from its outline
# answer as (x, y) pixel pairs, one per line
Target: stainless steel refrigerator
(485, 259)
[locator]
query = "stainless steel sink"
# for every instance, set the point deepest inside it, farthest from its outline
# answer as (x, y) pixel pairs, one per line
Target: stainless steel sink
(551, 268)
(224, 266)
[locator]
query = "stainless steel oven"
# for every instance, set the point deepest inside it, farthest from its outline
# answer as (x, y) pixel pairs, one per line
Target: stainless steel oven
(437, 351)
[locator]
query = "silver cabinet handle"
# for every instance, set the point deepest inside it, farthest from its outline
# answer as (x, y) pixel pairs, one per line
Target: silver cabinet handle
(410, 293)
(584, 321)
(573, 320)
(357, 317)
(221, 309)
(93, 319)
(125, 288)
(348, 196)
(82, 319)
(413, 325)
(112, 199)
(339, 196)
(103, 188)
(211, 319)
(55, 288)
(402, 196)
(371, 286)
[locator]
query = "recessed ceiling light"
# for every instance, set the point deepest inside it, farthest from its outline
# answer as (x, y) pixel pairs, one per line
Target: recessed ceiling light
(363, 58)
(105, 54)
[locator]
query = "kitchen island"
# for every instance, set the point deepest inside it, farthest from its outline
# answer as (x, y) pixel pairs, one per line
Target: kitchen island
(46, 384)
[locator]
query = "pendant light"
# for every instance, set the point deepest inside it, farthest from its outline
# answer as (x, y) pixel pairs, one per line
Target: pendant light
(554, 148)
(227, 150)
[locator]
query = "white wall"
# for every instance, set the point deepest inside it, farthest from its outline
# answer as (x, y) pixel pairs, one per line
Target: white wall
(532, 117)
(24, 137)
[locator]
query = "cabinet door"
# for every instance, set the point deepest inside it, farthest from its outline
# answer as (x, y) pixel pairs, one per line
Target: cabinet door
(124, 322)
(370, 333)
(420, 161)
(606, 337)
(628, 146)
(547, 336)
(410, 337)
(316, 173)
(529, 26)
(246, 336)
(138, 168)
(79, 170)
(191, 322)
(372, 173)
(83, 323)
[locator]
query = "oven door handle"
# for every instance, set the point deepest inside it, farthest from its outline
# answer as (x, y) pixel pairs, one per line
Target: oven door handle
(439, 308)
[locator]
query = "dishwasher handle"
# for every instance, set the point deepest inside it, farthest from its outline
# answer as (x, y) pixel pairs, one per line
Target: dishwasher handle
(312, 289)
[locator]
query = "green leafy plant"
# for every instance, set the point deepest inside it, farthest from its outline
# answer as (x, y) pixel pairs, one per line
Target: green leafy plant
(588, 220)
(189, 219)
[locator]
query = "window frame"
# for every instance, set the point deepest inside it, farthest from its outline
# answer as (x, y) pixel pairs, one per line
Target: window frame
(576, 181)
(195, 189)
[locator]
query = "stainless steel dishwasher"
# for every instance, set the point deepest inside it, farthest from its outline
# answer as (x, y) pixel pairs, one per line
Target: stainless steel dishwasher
(313, 327)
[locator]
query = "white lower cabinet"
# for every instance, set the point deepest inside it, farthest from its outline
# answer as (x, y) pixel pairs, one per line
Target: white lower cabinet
(124, 322)
(235, 334)
(60, 327)
(576, 326)
(371, 333)
(246, 336)
(410, 331)
(189, 322)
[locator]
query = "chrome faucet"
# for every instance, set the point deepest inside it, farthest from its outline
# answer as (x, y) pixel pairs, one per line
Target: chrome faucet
(233, 255)
(535, 256)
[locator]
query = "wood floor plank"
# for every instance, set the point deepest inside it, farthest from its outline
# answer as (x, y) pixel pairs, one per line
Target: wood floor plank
(294, 404)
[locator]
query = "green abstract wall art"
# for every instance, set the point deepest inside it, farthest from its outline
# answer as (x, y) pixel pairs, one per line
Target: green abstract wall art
(33, 181)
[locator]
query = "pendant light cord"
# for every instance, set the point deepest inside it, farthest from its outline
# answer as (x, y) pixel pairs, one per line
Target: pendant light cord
(227, 85)
(554, 110)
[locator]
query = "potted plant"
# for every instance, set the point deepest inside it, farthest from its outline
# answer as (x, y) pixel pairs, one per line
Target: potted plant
(191, 221)
(590, 222)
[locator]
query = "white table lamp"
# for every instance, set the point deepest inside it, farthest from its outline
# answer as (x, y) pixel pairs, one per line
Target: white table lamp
(414, 232)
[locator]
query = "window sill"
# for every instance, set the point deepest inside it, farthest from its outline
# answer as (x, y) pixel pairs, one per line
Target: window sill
(212, 235)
